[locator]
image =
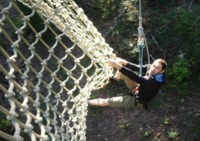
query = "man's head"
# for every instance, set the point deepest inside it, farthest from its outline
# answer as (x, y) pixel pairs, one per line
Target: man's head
(158, 66)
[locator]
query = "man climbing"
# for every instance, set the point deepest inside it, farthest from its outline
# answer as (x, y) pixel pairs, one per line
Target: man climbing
(143, 88)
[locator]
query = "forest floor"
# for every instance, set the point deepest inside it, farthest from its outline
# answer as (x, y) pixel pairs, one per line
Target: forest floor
(170, 117)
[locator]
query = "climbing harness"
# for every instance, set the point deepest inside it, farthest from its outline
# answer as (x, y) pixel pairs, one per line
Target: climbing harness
(135, 93)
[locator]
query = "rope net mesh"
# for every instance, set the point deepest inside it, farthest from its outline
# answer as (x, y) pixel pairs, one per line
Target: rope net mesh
(51, 57)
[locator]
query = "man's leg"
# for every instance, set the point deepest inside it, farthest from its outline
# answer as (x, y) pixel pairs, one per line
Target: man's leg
(99, 102)
(126, 101)
(129, 83)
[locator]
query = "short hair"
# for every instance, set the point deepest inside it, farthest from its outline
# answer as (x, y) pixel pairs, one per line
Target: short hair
(163, 63)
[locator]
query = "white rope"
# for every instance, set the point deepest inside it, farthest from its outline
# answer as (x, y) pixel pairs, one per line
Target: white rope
(142, 41)
(49, 80)
(140, 44)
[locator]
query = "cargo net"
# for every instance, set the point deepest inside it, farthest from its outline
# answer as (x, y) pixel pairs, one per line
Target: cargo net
(51, 58)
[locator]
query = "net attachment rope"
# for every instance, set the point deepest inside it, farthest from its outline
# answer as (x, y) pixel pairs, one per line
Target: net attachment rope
(51, 57)
(142, 42)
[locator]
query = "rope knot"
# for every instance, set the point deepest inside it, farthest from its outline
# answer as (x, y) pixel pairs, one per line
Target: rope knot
(12, 115)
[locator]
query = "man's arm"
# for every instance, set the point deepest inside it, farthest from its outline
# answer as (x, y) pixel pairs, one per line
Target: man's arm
(130, 74)
(124, 70)
(116, 64)
(130, 65)
(136, 67)
(121, 61)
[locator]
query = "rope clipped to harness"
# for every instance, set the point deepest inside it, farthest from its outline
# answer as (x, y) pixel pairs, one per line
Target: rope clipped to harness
(141, 46)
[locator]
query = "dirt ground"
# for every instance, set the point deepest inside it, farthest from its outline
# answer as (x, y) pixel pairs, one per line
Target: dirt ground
(171, 116)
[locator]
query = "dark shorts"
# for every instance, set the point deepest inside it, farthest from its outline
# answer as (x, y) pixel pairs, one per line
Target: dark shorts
(126, 101)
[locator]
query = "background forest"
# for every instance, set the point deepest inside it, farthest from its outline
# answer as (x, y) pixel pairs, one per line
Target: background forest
(171, 28)
(172, 32)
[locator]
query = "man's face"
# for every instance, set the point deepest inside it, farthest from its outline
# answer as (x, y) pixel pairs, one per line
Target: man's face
(155, 68)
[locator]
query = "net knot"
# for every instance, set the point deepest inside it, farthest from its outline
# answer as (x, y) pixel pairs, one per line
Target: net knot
(12, 115)
(18, 138)
(10, 94)
(46, 114)
(38, 119)
(24, 108)
(28, 128)
(36, 89)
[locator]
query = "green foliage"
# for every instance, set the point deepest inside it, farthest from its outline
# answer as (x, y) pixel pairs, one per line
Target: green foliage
(180, 73)
(176, 31)
(131, 9)
(166, 121)
(172, 134)
(119, 21)
(5, 124)
(35, 20)
(147, 133)
(101, 10)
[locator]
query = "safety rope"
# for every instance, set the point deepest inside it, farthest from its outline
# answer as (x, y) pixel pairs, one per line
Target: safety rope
(141, 45)
(142, 42)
